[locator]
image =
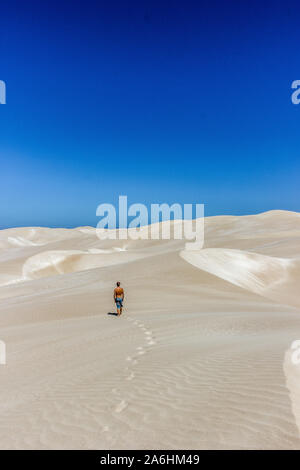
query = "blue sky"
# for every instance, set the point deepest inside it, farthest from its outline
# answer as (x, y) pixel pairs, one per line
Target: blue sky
(161, 101)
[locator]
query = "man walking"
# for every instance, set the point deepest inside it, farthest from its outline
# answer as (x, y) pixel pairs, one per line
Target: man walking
(119, 297)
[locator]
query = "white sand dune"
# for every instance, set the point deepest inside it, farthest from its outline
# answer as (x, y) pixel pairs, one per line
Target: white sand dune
(200, 359)
(275, 278)
(33, 236)
(50, 263)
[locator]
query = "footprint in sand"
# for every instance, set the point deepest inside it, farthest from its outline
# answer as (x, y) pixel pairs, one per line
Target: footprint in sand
(121, 406)
(131, 376)
(133, 360)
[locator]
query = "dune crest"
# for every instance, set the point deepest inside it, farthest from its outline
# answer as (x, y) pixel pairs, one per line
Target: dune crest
(52, 263)
(275, 278)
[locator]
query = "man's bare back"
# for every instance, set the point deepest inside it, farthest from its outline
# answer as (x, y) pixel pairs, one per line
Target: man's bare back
(119, 291)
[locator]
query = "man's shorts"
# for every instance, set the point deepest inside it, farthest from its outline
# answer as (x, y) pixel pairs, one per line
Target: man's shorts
(119, 302)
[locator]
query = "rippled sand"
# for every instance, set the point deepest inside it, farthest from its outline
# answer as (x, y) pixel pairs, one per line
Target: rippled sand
(201, 358)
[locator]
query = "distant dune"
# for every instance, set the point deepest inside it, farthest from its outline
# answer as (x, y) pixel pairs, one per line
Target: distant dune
(201, 358)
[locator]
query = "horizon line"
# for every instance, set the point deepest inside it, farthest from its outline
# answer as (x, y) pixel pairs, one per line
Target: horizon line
(148, 225)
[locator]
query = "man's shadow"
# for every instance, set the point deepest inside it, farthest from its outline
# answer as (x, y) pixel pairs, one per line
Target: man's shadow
(112, 313)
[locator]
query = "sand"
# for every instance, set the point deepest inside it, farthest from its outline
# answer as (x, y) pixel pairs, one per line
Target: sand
(200, 359)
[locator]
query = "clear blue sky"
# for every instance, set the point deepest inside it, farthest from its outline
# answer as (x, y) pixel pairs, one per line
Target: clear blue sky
(162, 101)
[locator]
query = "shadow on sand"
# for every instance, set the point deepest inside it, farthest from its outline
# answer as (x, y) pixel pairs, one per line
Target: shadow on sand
(112, 313)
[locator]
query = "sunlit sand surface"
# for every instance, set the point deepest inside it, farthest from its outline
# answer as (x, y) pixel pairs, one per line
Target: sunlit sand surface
(200, 359)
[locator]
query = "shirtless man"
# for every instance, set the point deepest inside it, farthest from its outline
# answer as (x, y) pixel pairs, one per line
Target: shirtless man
(119, 297)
